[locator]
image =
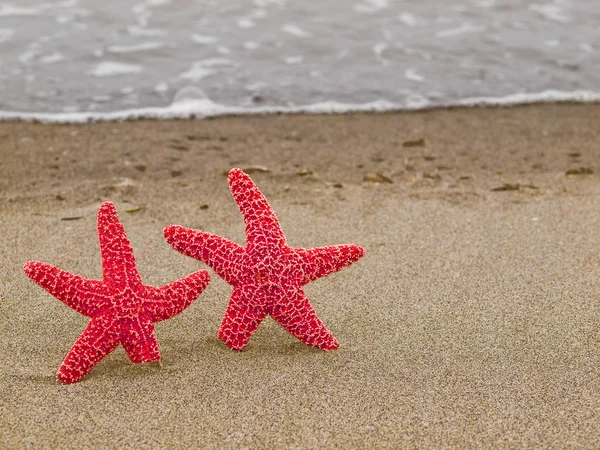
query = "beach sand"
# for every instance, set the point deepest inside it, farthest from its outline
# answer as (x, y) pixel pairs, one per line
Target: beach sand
(472, 322)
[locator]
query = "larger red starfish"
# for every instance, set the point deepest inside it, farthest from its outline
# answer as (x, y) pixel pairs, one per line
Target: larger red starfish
(267, 276)
(123, 310)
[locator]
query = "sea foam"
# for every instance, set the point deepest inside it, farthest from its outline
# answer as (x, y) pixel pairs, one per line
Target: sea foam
(204, 108)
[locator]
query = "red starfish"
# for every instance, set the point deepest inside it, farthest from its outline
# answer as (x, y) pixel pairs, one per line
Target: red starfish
(267, 276)
(123, 310)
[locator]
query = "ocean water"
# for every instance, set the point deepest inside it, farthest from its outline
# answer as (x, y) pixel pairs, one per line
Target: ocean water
(75, 60)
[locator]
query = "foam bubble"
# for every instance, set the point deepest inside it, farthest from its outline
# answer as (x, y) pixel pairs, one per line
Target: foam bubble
(295, 30)
(259, 13)
(465, 28)
(245, 22)
(158, 2)
(142, 31)
(411, 74)
(379, 48)
(28, 56)
(204, 68)
(263, 3)
(63, 4)
(101, 98)
(7, 10)
(200, 39)
(251, 45)
(550, 12)
(144, 46)
(416, 101)
(196, 73)
(485, 3)
(6, 34)
(294, 59)
(408, 19)
(371, 6)
(188, 94)
(161, 87)
(113, 68)
(52, 58)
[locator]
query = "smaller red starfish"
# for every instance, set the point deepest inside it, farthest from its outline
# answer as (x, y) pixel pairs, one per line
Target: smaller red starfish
(123, 310)
(267, 276)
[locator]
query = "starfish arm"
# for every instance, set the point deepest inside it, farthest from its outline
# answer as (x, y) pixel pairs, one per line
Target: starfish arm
(241, 319)
(171, 299)
(221, 254)
(118, 261)
(87, 297)
(321, 261)
(296, 315)
(100, 337)
(262, 226)
(139, 340)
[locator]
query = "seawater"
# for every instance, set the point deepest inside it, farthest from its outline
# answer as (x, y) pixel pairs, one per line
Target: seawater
(78, 60)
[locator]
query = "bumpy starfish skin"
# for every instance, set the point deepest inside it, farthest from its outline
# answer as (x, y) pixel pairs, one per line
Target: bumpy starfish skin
(267, 276)
(123, 310)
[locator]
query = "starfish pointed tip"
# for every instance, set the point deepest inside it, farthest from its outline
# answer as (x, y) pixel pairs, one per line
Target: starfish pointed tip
(358, 251)
(200, 280)
(333, 345)
(237, 176)
(29, 268)
(108, 206)
(33, 269)
(235, 347)
(65, 378)
(108, 212)
(235, 172)
(170, 232)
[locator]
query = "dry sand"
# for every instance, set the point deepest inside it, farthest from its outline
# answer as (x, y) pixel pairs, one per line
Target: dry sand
(472, 322)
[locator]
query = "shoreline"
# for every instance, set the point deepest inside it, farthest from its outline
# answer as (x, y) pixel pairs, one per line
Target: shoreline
(471, 322)
(207, 109)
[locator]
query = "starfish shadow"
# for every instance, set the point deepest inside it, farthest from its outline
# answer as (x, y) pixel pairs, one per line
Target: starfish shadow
(122, 368)
(298, 348)
(36, 379)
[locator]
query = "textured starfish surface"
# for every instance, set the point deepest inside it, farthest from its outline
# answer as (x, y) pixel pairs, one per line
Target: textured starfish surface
(267, 276)
(123, 310)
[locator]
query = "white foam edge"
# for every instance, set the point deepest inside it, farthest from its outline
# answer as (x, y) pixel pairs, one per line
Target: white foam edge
(206, 108)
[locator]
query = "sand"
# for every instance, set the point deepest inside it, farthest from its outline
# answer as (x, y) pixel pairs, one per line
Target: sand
(473, 321)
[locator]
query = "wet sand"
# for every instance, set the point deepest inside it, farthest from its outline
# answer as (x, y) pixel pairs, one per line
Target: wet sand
(472, 322)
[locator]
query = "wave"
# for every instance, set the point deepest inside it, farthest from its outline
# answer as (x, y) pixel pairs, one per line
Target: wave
(203, 108)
